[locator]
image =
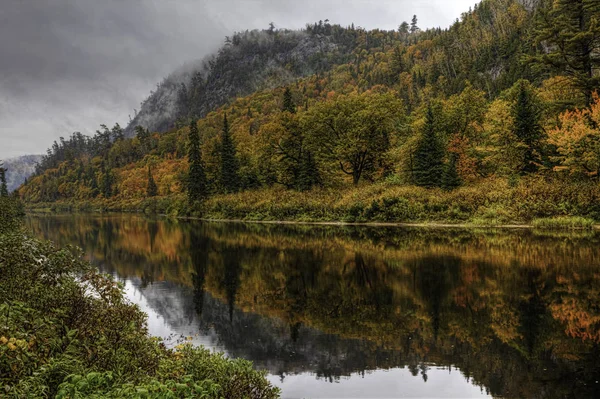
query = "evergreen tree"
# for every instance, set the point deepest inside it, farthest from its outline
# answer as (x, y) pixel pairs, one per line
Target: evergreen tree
(229, 179)
(288, 101)
(413, 25)
(152, 189)
(3, 187)
(450, 178)
(196, 183)
(428, 167)
(308, 173)
(107, 190)
(570, 29)
(527, 128)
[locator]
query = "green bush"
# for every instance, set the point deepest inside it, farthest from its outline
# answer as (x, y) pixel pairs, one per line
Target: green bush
(68, 331)
(563, 222)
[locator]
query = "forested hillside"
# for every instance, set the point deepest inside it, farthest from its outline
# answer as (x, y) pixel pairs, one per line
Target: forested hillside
(493, 119)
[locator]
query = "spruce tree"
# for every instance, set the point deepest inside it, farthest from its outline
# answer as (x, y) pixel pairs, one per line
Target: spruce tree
(152, 189)
(428, 165)
(229, 180)
(570, 30)
(413, 25)
(196, 183)
(451, 179)
(308, 173)
(288, 101)
(526, 113)
(3, 187)
(107, 190)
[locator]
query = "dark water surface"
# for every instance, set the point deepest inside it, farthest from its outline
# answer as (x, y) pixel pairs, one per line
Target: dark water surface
(356, 312)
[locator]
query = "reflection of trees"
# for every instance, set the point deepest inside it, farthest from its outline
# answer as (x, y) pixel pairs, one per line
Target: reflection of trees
(516, 311)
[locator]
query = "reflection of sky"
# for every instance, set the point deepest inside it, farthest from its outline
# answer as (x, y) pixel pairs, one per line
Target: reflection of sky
(158, 326)
(394, 383)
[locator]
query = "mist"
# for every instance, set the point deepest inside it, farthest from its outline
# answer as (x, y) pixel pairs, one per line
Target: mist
(70, 65)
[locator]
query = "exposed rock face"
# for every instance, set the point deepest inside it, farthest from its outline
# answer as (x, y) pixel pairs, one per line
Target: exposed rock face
(249, 62)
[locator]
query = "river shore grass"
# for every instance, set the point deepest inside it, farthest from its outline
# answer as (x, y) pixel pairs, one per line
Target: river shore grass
(541, 203)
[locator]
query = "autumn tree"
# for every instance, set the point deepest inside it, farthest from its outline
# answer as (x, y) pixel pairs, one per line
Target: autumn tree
(577, 140)
(228, 178)
(428, 156)
(353, 132)
(569, 31)
(196, 181)
(151, 188)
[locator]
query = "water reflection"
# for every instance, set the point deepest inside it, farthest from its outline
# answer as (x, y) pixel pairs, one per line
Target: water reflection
(510, 313)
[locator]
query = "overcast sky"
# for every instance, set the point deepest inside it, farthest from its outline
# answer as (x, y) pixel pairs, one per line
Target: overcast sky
(70, 65)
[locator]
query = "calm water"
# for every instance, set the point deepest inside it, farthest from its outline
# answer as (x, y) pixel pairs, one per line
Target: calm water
(338, 312)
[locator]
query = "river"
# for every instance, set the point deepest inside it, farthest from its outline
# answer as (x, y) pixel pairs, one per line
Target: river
(364, 312)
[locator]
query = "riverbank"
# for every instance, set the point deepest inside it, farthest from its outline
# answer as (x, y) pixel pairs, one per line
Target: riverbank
(68, 331)
(552, 203)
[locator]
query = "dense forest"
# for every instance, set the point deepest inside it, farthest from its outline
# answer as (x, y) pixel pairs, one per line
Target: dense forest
(493, 119)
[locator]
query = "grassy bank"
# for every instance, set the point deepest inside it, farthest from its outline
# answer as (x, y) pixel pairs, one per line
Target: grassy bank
(68, 332)
(491, 202)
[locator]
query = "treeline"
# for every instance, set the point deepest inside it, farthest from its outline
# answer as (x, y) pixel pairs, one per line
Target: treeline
(482, 99)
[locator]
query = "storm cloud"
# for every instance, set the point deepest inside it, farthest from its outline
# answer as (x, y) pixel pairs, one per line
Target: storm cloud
(69, 65)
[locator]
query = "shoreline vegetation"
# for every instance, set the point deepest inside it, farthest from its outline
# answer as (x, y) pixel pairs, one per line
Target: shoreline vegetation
(68, 332)
(532, 203)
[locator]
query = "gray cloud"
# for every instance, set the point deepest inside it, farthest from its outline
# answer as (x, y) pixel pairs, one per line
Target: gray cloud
(69, 65)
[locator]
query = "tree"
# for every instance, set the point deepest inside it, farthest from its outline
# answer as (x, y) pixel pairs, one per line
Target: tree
(353, 132)
(577, 140)
(413, 25)
(152, 189)
(450, 178)
(288, 101)
(428, 165)
(526, 113)
(196, 182)
(3, 187)
(107, 180)
(229, 179)
(403, 29)
(569, 31)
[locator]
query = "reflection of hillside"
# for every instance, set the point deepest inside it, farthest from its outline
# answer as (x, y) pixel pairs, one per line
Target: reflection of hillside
(517, 311)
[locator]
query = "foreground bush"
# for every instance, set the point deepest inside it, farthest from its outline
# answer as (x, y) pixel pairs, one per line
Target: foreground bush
(67, 331)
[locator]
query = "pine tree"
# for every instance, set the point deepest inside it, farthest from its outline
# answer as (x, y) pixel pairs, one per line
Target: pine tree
(570, 29)
(229, 179)
(196, 183)
(413, 25)
(152, 189)
(288, 101)
(527, 128)
(107, 190)
(3, 187)
(308, 173)
(428, 155)
(450, 178)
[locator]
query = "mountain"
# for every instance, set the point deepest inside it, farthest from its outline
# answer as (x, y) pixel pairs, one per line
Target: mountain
(19, 169)
(248, 62)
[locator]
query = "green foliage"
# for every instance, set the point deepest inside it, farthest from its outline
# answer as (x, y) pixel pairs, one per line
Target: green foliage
(3, 187)
(197, 187)
(229, 178)
(288, 101)
(450, 178)
(68, 331)
(569, 32)
(563, 222)
(527, 129)
(428, 156)
(152, 189)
